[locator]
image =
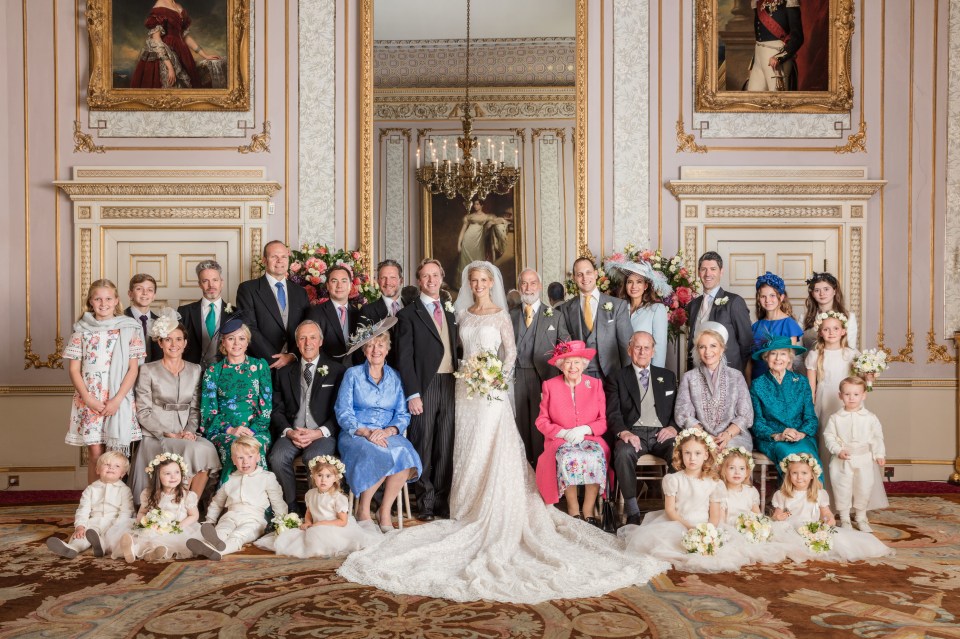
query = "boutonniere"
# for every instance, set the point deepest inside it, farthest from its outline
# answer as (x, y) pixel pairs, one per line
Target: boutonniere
(448, 307)
(721, 301)
(548, 311)
(660, 379)
(322, 371)
(608, 307)
(228, 308)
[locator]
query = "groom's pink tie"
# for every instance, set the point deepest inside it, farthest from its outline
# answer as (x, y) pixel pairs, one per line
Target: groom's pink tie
(437, 314)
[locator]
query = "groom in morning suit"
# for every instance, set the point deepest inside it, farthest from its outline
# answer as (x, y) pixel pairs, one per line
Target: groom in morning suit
(203, 318)
(273, 308)
(640, 400)
(536, 328)
(303, 423)
(427, 358)
(718, 305)
(599, 320)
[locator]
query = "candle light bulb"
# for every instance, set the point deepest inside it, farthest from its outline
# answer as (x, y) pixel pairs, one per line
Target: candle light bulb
(418, 158)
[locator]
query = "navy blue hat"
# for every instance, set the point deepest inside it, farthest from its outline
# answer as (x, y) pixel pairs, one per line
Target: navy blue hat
(234, 324)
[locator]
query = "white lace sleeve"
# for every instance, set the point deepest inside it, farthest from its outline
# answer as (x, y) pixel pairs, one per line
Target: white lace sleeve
(508, 347)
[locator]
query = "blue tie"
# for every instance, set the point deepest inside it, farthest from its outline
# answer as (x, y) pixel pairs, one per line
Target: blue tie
(281, 296)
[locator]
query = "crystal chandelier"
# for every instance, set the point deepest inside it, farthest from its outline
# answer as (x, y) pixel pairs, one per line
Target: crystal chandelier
(469, 177)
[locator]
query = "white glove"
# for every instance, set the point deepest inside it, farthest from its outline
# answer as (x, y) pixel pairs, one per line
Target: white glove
(562, 433)
(583, 430)
(575, 437)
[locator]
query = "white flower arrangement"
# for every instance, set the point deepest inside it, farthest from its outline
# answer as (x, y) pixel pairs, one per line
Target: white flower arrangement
(756, 528)
(721, 301)
(700, 434)
(608, 307)
(163, 457)
(740, 450)
(323, 370)
(449, 307)
(228, 308)
(329, 459)
(168, 320)
(548, 311)
(483, 374)
(290, 521)
(821, 317)
(871, 361)
(805, 458)
(703, 539)
(160, 521)
(818, 536)
(660, 379)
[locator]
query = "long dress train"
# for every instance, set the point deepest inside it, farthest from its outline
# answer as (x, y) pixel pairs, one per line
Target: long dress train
(501, 543)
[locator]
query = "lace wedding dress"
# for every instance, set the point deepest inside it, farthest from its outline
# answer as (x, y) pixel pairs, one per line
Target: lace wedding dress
(501, 543)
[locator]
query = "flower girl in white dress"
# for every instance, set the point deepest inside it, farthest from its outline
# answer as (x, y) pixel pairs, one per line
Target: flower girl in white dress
(803, 519)
(329, 529)
(168, 514)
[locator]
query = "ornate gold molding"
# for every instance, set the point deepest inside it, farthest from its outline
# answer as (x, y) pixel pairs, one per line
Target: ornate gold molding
(856, 143)
(15, 390)
(86, 260)
(223, 189)
(690, 211)
(690, 247)
(892, 382)
(558, 133)
(862, 189)
(856, 270)
(365, 185)
(259, 143)
(154, 173)
(32, 360)
(256, 246)
(856, 211)
(422, 133)
(256, 212)
(83, 213)
(405, 132)
(83, 142)
(686, 142)
(522, 134)
(905, 354)
(580, 132)
(170, 212)
(937, 353)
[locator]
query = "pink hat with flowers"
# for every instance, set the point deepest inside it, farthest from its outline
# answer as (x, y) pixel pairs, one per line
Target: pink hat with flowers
(573, 348)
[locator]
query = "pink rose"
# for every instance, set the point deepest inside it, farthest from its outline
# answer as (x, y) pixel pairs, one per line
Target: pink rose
(322, 250)
(678, 317)
(617, 257)
(314, 280)
(296, 266)
(356, 255)
(354, 291)
(684, 295)
(321, 267)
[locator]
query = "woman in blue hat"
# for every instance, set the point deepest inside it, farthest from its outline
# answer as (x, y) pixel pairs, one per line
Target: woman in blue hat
(784, 421)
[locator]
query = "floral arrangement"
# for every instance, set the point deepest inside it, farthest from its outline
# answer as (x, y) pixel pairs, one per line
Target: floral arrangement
(331, 460)
(739, 450)
(818, 536)
(309, 266)
(756, 528)
(806, 458)
(871, 361)
(290, 521)
(483, 374)
(684, 283)
(697, 433)
(703, 539)
(160, 521)
(164, 457)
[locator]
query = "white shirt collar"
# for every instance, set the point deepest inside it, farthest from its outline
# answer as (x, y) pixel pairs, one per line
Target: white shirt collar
(311, 361)
(535, 306)
(273, 282)
(206, 304)
(713, 291)
(595, 294)
(137, 313)
(427, 300)
(637, 369)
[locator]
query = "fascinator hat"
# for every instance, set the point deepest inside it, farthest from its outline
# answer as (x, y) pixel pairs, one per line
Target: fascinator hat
(573, 348)
(773, 281)
(234, 324)
(168, 322)
(659, 281)
(777, 343)
(366, 332)
(714, 327)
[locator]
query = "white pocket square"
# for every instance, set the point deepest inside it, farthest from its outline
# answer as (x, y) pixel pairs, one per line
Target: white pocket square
(326, 385)
(669, 393)
(551, 328)
(609, 320)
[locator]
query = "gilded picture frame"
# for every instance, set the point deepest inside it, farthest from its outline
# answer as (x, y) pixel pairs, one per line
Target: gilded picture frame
(442, 220)
(118, 44)
(724, 44)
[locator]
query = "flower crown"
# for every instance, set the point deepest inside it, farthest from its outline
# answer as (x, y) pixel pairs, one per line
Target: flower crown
(330, 460)
(165, 324)
(773, 281)
(736, 450)
(806, 458)
(702, 435)
(827, 315)
(165, 457)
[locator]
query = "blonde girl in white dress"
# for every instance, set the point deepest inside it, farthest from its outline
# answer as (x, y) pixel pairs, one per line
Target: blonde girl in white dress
(802, 500)
(329, 530)
(168, 493)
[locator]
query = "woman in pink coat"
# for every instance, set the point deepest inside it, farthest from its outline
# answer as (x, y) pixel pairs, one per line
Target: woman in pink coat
(573, 419)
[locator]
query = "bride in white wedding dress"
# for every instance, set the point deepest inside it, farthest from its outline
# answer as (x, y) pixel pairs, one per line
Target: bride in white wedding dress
(501, 543)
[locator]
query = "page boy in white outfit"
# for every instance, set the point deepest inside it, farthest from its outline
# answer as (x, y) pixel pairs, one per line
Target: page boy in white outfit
(245, 497)
(854, 437)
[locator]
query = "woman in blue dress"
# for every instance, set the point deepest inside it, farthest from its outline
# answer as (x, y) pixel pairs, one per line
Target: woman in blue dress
(774, 317)
(645, 290)
(373, 418)
(784, 420)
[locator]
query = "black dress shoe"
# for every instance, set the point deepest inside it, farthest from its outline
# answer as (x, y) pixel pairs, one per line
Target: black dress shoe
(427, 517)
(594, 521)
(635, 520)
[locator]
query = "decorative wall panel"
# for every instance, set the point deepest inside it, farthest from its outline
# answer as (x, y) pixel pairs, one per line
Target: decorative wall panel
(551, 220)
(951, 253)
(394, 205)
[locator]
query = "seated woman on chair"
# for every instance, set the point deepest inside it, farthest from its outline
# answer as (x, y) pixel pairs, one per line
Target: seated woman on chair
(372, 413)
(573, 420)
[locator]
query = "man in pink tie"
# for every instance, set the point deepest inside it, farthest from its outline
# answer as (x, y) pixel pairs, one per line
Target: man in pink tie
(336, 316)
(426, 360)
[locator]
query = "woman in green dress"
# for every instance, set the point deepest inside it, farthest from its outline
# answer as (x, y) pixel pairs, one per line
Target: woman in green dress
(236, 396)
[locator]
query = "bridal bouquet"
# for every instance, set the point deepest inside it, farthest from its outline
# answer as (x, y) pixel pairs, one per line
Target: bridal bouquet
(872, 360)
(160, 521)
(703, 539)
(483, 375)
(818, 536)
(756, 528)
(290, 521)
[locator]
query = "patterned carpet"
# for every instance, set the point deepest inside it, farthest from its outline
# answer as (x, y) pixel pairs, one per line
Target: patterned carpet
(913, 594)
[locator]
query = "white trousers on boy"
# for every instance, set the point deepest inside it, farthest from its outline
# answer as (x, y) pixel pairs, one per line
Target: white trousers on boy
(852, 481)
(102, 525)
(238, 528)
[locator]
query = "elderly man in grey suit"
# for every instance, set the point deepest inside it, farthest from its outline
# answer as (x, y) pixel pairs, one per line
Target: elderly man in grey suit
(602, 321)
(537, 328)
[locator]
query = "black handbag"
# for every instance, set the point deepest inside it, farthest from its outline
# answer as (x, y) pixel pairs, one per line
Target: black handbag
(609, 512)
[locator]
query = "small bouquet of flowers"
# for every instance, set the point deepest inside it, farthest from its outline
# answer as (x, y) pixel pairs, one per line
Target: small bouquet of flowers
(871, 361)
(160, 521)
(483, 374)
(703, 539)
(756, 528)
(818, 536)
(309, 265)
(290, 521)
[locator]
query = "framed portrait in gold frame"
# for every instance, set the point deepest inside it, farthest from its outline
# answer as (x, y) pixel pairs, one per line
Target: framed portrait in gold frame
(145, 57)
(456, 237)
(819, 80)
